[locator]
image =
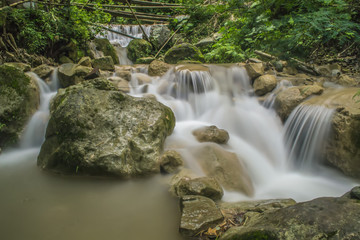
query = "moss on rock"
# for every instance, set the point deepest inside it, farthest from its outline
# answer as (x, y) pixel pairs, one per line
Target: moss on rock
(105, 46)
(181, 52)
(137, 49)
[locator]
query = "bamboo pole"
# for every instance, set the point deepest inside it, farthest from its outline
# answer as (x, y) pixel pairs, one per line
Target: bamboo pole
(137, 20)
(111, 30)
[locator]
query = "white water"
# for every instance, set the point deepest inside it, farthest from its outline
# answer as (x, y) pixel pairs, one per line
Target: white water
(132, 30)
(223, 97)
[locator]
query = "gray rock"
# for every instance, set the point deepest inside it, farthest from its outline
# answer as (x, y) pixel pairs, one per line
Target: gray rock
(204, 186)
(120, 83)
(71, 74)
(43, 71)
(255, 70)
(96, 130)
(19, 99)
(170, 161)
(198, 213)
(159, 35)
(211, 134)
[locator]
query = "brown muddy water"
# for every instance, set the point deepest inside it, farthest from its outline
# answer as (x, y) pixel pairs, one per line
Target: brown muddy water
(39, 206)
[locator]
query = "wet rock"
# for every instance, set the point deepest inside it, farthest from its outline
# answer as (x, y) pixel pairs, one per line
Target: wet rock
(355, 193)
(158, 68)
(288, 99)
(22, 66)
(142, 78)
(170, 161)
(43, 71)
(330, 70)
(104, 63)
(145, 60)
(184, 51)
(120, 83)
(138, 48)
(104, 46)
(19, 99)
(211, 134)
(94, 129)
(71, 74)
(159, 35)
(65, 59)
(345, 80)
(225, 167)
(85, 61)
(343, 145)
(204, 186)
(124, 74)
(264, 84)
(322, 218)
(255, 70)
(198, 213)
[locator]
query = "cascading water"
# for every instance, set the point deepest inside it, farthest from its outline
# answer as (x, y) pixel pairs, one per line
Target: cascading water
(306, 129)
(120, 42)
(223, 97)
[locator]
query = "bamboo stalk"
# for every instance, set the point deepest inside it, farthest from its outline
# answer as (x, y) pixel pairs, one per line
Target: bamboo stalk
(111, 30)
(137, 20)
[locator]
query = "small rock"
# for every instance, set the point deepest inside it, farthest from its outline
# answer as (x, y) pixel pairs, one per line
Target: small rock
(158, 68)
(170, 161)
(211, 134)
(85, 61)
(204, 186)
(198, 213)
(264, 84)
(124, 74)
(255, 70)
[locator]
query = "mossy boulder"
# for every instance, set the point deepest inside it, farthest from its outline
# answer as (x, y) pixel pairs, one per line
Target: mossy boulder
(159, 34)
(71, 74)
(104, 63)
(104, 45)
(185, 51)
(138, 48)
(158, 68)
(19, 99)
(22, 66)
(94, 129)
(43, 71)
(322, 218)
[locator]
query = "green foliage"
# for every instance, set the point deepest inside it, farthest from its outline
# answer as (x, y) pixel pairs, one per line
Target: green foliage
(225, 53)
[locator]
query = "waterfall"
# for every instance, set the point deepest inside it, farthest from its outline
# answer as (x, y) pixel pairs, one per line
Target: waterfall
(34, 133)
(132, 30)
(305, 131)
(222, 96)
(270, 100)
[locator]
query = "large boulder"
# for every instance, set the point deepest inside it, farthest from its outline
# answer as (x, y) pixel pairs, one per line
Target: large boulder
(264, 84)
(103, 45)
(71, 74)
(19, 99)
(225, 167)
(158, 68)
(184, 51)
(322, 218)
(288, 99)
(198, 213)
(159, 35)
(255, 70)
(138, 48)
(211, 134)
(94, 129)
(170, 161)
(343, 145)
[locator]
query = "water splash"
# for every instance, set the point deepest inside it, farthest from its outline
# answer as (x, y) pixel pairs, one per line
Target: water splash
(305, 131)
(281, 86)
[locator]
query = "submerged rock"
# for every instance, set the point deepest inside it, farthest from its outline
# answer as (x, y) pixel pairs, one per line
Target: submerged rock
(225, 167)
(71, 74)
(96, 130)
(19, 99)
(211, 134)
(322, 218)
(288, 99)
(343, 146)
(170, 161)
(184, 51)
(198, 213)
(264, 84)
